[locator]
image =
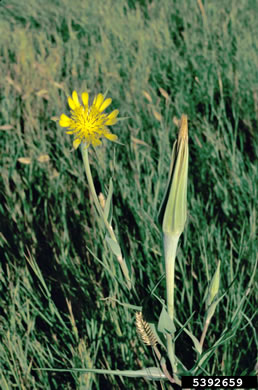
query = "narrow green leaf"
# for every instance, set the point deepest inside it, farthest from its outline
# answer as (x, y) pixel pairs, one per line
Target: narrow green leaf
(211, 309)
(153, 328)
(195, 341)
(114, 246)
(3, 383)
(108, 205)
(165, 324)
(150, 373)
(128, 305)
(227, 335)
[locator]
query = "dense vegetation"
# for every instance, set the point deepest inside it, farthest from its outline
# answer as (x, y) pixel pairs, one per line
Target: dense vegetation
(60, 285)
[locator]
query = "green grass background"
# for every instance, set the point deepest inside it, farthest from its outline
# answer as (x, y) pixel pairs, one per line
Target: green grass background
(59, 282)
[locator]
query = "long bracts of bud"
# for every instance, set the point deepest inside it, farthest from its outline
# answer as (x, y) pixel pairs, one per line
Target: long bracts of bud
(172, 218)
(173, 210)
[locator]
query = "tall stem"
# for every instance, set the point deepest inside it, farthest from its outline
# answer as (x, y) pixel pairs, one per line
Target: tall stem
(85, 158)
(170, 247)
(120, 259)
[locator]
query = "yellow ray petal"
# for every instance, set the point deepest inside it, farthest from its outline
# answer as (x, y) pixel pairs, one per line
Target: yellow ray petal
(113, 114)
(111, 137)
(112, 118)
(85, 99)
(76, 143)
(75, 99)
(64, 121)
(105, 104)
(71, 103)
(99, 100)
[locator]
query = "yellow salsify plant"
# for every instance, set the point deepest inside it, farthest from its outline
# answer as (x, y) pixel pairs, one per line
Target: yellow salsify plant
(88, 124)
(172, 217)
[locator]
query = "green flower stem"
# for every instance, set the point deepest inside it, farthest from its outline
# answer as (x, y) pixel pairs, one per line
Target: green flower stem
(85, 158)
(170, 247)
(205, 328)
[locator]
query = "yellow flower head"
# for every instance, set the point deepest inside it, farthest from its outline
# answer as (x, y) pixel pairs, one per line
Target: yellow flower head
(88, 122)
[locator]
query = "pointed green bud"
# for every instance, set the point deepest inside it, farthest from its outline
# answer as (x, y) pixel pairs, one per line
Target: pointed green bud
(214, 287)
(173, 210)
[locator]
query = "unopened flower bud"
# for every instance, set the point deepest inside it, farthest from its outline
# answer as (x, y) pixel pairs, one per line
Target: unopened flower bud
(214, 286)
(173, 210)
